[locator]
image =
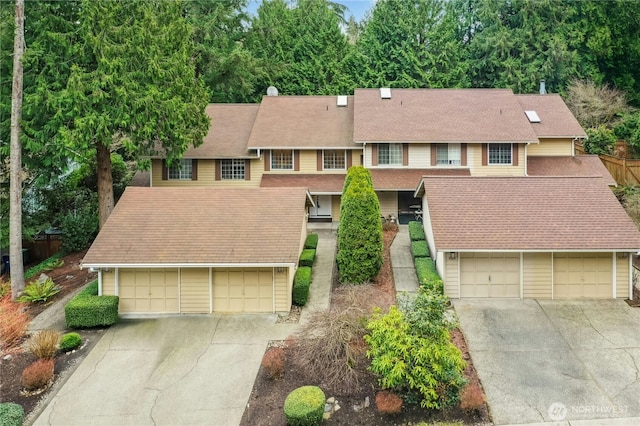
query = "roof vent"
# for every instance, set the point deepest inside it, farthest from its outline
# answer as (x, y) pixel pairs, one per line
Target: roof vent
(543, 87)
(385, 93)
(272, 91)
(532, 116)
(342, 101)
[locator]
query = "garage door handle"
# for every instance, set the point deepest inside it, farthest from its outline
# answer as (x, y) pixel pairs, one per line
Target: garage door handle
(489, 278)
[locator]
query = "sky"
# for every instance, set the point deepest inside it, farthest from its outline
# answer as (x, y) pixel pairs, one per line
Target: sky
(357, 8)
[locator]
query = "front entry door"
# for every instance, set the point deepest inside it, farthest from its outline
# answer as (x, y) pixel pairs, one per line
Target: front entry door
(322, 208)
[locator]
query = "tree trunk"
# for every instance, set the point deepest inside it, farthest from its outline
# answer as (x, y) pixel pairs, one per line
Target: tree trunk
(15, 189)
(105, 182)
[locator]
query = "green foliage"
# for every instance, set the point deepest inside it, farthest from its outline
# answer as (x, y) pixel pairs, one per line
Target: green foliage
(427, 314)
(80, 228)
(39, 291)
(87, 309)
(11, 414)
(301, 284)
(629, 130)
(311, 242)
(48, 264)
(304, 406)
(70, 341)
(601, 140)
(419, 249)
(359, 256)
(408, 360)
(428, 276)
(307, 257)
(416, 231)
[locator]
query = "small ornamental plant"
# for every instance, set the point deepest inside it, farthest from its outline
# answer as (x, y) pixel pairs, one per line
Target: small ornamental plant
(70, 341)
(37, 375)
(304, 406)
(44, 344)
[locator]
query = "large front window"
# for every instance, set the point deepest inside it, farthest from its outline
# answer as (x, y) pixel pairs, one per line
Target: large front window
(181, 170)
(282, 159)
(333, 159)
(232, 169)
(390, 153)
(448, 154)
(500, 153)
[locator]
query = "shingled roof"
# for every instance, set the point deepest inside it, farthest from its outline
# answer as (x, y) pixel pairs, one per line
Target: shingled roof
(441, 115)
(315, 183)
(202, 227)
(408, 179)
(579, 165)
(526, 213)
(556, 120)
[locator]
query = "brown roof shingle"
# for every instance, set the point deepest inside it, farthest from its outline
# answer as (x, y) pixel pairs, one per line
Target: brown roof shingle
(556, 120)
(440, 115)
(303, 122)
(315, 183)
(527, 213)
(408, 179)
(159, 226)
(579, 165)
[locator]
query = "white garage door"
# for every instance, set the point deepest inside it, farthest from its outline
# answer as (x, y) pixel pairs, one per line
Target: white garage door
(582, 275)
(148, 290)
(489, 275)
(243, 290)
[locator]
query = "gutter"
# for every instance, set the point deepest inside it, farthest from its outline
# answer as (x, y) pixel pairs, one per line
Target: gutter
(103, 266)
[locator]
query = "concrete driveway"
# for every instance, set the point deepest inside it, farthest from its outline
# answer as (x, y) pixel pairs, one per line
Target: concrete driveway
(183, 370)
(555, 360)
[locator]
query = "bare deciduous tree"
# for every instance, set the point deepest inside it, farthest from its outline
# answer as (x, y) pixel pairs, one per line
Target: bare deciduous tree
(595, 105)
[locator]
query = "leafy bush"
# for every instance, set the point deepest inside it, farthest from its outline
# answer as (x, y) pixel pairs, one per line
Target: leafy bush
(408, 361)
(426, 312)
(301, 284)
(11, 414)
(629, 130)
(307, 257)
(38, 374)
(428, 276)
(44, 344)
(601, 140)
(416, 231)
(304, 406)
(273, 362)
(70, 341)
(87, 309)
(80, 227)
(419, 249)
(39, 291)
(311, 242)
(359, 256)
(388, 402)
(13, 325)
(48, 264)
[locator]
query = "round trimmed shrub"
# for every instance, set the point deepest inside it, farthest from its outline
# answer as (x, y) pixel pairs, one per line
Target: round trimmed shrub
(70, 341)
(305, 406)
(11, 414)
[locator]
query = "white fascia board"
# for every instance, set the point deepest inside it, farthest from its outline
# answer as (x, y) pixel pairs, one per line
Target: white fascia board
(187, 265)
(554, 250)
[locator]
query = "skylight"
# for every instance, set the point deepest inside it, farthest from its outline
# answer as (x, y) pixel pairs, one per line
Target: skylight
(532, 116)
(385, 93)
(342, 101)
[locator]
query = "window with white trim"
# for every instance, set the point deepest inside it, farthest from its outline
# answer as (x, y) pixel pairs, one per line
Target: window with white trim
(334, 159)
(500, 153)
(390, 153)
(232, 169)
(448, 154)
(181, 170)
(282, 159)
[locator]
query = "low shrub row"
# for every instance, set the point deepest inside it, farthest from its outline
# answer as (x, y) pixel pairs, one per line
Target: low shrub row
(301, 284)
(428, 277)
(88, 309)
(419, 249)
(416, 231)
(307, 257)
(311, 242)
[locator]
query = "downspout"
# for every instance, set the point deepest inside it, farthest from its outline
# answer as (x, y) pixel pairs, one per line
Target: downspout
(614, 272)
(151, 174)
(526, 170)
(364, 155)
(630, 276)
(116, 280)
(99, 282)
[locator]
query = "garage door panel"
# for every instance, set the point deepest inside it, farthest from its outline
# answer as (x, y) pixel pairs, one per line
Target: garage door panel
(243, 290)
(492, 275)
(148, 290)
(582, 275)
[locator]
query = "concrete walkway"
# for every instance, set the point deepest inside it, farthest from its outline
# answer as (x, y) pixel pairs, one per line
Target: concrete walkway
(322, 272)
(404, 272)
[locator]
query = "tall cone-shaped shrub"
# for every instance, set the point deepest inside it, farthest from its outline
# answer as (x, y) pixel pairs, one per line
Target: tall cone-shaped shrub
(359, 255)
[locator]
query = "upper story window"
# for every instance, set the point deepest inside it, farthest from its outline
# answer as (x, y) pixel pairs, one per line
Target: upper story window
(500, 153)
(281, 159)
(181, 170)
(390, 153)
(448, 154)
(232, 169)
(334, 159)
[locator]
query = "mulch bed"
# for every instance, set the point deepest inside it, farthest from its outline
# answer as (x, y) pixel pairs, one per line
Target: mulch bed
(265, 405)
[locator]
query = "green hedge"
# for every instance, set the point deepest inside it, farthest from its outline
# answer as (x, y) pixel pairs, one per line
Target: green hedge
(416, 231)
(428, 276)
(304, 406)
(11, 414)
(301, 284)
(311, 242)
(419, 249)
(307, 257)
(88, 309)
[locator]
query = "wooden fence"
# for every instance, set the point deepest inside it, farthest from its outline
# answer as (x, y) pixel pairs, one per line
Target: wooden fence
(624, 171)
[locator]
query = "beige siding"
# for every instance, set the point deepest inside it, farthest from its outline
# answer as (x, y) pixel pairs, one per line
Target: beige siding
(148, 290)
(420, 155)
(335, 208)
(283, 285)
(109, 283)
(474, 160)
(309, 161)
(622, 276)
(206, 175)
(537, 275)
(388, 203)
(582, 275)
(367, 155)
(550, 147)
(355, 157)
(194, 290)
(451, 277)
